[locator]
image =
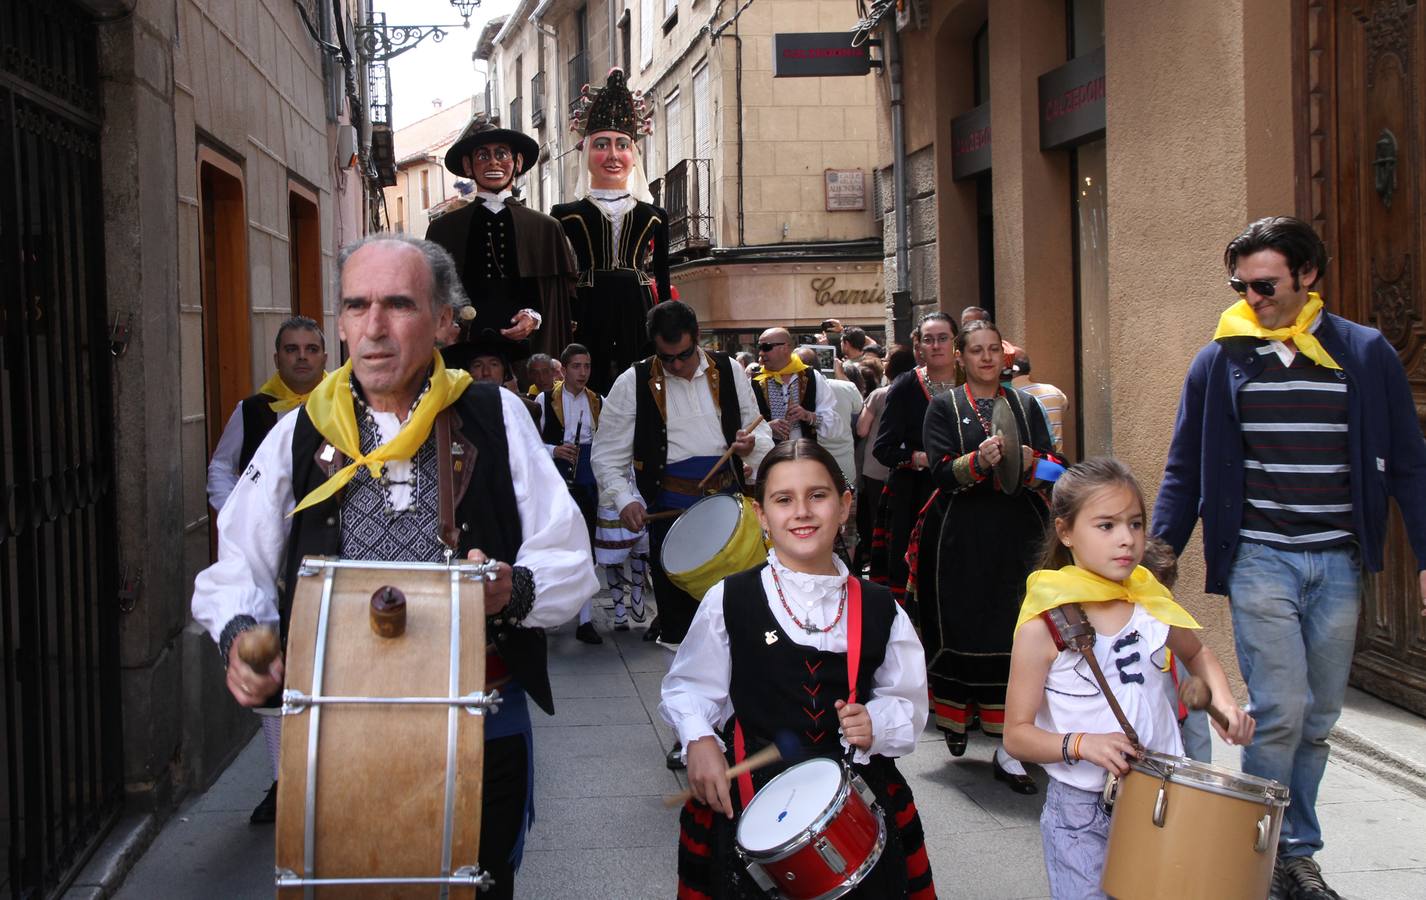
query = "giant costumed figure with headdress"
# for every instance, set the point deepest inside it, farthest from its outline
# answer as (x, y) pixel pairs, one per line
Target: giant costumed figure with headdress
(619, 237)
(515, 263)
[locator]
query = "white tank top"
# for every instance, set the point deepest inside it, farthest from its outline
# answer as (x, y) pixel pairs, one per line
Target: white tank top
(1132, 661)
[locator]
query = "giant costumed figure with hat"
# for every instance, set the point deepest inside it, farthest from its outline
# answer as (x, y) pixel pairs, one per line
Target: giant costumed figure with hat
(514, 262)
(619, 237)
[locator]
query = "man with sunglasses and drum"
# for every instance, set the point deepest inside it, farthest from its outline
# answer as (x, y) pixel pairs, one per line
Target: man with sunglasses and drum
(673, 416)
(394, 457)
(1294, 427)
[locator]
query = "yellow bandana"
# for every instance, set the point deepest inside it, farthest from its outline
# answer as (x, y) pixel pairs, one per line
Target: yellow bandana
(1048, 588)
(793, 366)
(333, 413)
(1240, 321)
(287, 399)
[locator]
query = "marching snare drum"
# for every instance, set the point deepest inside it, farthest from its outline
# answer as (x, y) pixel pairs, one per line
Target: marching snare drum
(813, 832)
(383, 739)
(718, 536)
(1183, 830)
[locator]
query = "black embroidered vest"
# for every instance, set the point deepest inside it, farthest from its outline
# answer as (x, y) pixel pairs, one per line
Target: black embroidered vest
(651, 431)
(806, 397)
(258, 419)
(785, 686)
(486, 512)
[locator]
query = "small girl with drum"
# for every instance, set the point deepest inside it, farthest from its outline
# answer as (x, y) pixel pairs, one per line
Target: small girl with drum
(767, 660)
(1055, 713)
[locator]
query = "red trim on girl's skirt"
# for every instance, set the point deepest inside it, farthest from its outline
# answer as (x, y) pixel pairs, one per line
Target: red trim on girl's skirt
(917, 865)
(992, 716)
(954, 713)
(694, 847)
(687, 893)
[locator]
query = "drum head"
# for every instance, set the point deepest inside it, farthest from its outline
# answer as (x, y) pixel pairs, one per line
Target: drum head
(698, 535)
(1211, 778)
(788, 804)
(1010, 469)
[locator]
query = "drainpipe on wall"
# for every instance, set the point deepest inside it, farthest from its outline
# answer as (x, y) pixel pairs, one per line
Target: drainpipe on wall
(714, 33)
(556, 154)
(901, 297)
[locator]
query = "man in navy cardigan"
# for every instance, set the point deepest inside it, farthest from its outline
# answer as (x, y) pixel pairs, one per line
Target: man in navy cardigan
(1294, 427)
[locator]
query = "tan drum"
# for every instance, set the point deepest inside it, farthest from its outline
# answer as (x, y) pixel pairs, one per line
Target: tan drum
(383, 736)
(1185, 830)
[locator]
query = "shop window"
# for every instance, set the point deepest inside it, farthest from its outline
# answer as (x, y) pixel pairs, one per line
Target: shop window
(304, 244)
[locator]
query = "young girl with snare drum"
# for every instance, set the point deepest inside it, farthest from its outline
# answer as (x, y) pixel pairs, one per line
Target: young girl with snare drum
(770, 658)
(1055, 714)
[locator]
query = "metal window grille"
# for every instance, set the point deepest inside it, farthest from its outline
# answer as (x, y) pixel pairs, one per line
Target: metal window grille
(687, 202)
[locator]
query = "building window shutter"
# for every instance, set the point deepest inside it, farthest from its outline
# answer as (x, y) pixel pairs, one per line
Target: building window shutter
(646, 33)
(702, 116)
(673, 114)
(669, 8)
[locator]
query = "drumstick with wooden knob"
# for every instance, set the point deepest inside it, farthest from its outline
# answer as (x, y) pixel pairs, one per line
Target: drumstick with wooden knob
(764, 757)
(258, 648)
(728, 454)
(1196, 694)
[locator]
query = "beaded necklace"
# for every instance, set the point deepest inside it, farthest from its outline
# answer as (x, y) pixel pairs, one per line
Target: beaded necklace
(973, 405)
(808, 627)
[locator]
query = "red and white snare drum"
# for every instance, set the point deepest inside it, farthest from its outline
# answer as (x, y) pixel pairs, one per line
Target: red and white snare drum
(813, 832)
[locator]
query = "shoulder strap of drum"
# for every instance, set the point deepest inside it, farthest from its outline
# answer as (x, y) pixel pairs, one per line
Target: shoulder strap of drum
(1072, 630)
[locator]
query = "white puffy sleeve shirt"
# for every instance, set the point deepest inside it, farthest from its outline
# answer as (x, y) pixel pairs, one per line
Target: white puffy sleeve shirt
(695, 696)
(253, 527)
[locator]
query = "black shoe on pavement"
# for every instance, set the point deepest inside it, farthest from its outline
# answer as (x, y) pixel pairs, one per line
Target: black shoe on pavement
(1020, 784)
(674, 759)
(587, 634)
(652, 632)
(956, 742)
(1305, 876)
(266, 811)
(1281, 888)
(621, 626)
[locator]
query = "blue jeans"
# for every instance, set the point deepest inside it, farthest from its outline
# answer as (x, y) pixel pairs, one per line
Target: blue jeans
(1074, 831)
(1294, 628)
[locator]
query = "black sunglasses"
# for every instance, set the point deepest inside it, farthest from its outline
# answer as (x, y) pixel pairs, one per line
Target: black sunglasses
(1260, 287)
(670, 358)
(767, 347)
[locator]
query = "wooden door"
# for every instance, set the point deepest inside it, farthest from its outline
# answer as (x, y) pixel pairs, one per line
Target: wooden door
(1362, 66)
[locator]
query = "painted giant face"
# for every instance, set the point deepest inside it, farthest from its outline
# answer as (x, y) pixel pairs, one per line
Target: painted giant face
(492, 166)
(610, 157)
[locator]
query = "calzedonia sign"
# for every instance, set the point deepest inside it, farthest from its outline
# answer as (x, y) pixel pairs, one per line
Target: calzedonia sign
(1072, 102)
(810, 54)
(970, 143)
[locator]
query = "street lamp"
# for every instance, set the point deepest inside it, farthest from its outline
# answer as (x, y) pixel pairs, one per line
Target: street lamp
(380, 43)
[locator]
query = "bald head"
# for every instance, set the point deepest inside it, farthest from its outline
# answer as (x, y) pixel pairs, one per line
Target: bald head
(775, 348)
(807, 355)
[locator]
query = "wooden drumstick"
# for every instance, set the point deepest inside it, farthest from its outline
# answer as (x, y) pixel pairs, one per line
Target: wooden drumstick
(1196, 694)
(666, 514)
(258, 648)
(728, 454)
(764, 757)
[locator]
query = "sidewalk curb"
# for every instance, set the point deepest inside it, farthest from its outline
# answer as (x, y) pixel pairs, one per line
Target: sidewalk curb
(1352, 747)
(110, 865)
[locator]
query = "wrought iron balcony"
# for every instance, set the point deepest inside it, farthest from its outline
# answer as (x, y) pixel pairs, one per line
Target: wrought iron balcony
(688, 200)
(578, 77)
(537, 100)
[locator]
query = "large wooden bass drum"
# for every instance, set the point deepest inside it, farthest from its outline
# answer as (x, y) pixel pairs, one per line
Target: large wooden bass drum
(383, 731)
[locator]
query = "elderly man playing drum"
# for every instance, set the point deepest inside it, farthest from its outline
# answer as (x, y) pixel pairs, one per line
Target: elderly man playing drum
(673, 416)
(382, 412)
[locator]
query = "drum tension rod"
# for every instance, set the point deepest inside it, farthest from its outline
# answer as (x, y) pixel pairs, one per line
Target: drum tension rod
(479, 703)
(465, 876)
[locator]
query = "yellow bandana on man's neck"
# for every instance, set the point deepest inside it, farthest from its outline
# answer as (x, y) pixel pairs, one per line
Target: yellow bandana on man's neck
(793, 366)
(333, 414)
(1049, 588)
(1239, 320)
(287, 398)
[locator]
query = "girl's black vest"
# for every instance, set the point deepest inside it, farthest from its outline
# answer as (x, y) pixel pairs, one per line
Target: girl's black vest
(486, 512)
(651, 431)
(779, 685)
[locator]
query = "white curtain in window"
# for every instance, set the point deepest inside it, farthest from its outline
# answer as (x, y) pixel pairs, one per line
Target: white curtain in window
(646, 32)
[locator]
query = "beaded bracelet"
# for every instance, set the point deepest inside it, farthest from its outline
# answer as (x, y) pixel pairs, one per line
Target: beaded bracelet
(1065, 749)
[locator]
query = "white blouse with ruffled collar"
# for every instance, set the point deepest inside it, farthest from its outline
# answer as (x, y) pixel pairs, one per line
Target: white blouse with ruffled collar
(695, 699)
(614, 203)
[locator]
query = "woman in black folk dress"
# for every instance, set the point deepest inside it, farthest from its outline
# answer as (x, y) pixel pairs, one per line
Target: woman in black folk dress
(978, 544)
(620, 239)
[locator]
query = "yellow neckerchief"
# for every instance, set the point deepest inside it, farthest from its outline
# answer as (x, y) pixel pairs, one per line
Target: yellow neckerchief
(793, 366)
(532, 391)
(333, 414)
(287, 398)
(1239, 320)
(557, 406)
(1048, 588)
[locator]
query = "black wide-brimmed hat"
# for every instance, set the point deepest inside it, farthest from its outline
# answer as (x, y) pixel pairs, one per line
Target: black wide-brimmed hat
(487, 342)
(612, 108)
(481, 131)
